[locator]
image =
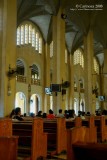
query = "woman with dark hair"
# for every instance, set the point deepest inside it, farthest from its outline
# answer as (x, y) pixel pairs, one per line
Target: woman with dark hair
(44, 115)
(39, 114)
(18, 114)
(12, 114)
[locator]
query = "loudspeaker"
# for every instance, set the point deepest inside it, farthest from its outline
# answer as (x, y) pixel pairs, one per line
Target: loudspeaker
(66, 84)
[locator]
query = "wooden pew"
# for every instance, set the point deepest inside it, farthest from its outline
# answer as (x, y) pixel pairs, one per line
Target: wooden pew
(32, 139)
(93, 123)
(8, 147)
(91, 130)
(101, 124)
(74, 135)
(5, 127)
(70, 123)
(8, 143)
(56, 130)
(89, 151)
(79, 149)
(90, 127)
(103, 129)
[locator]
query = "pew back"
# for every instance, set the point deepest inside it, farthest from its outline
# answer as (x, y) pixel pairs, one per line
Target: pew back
(89, 151)
(8, 148)
(56, 130)
(32, 140)
(5, 127)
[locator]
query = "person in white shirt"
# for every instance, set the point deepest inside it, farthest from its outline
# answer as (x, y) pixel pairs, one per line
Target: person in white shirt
(60, 114)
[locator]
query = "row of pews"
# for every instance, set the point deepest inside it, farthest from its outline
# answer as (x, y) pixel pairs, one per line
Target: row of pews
(36, 137)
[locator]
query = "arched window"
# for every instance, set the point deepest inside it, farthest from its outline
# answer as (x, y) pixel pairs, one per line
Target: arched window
(51, 49)
(37, 41)
(40, 45)
(96, 65)
(26, 34)
(82, 61)
(18, 36)
(66, 56)
(34, 72)
(78, 58)
(22, 34)
(20, 67)
(29, 34)
(33, 37)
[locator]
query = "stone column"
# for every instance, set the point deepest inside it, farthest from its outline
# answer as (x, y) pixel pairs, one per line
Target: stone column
(104, 80)
(8, 10)
(71, 77)
(58, 36)
(47, 77)
(88, 68)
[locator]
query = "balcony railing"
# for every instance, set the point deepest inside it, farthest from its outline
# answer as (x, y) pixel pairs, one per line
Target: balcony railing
(21, 78)
(35, 81)
(81, 90)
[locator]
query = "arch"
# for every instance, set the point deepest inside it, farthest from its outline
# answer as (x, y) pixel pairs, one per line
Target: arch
(21, 62)
(34, 104)
(82, 105)
(34, 71)
(81, 81)
(20, 101)
(75, 83)
(76, 108)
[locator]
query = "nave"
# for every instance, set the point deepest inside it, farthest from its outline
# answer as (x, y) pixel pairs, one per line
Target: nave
(85, 138)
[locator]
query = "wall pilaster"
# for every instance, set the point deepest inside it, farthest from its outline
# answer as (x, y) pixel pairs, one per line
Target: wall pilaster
(58, 58)
(104, 80)
(47, 80)
(8, 54)
(88, 68)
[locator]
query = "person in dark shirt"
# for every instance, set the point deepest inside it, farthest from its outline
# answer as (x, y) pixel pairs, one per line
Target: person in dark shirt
(12, 114)
(18, 114)
(39, 114)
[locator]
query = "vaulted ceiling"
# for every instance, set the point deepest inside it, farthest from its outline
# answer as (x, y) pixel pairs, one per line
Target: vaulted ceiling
(80, 15)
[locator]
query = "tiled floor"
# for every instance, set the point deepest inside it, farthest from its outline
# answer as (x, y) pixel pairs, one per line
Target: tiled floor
(55, 157)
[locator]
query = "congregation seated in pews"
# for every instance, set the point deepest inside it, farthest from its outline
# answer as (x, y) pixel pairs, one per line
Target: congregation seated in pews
(55, 129)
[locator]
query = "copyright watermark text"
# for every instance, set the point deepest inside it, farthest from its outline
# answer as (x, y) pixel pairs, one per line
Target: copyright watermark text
(88, 7)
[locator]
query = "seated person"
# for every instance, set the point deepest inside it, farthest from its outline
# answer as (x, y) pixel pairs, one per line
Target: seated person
(12, 114)
(60, 114)
(50, 115)
(39, 114)
(44, 115)
(18, 114)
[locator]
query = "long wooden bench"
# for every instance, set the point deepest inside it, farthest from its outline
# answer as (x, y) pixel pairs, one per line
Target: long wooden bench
(88, 123)
(89, 151)
(8, 147)
(101, 124)
(32, 140)
(8, 143)
(56, 130)
(74, 135)
(5, 127)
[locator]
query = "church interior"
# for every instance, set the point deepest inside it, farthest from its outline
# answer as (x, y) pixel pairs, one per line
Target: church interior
(53, 55)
